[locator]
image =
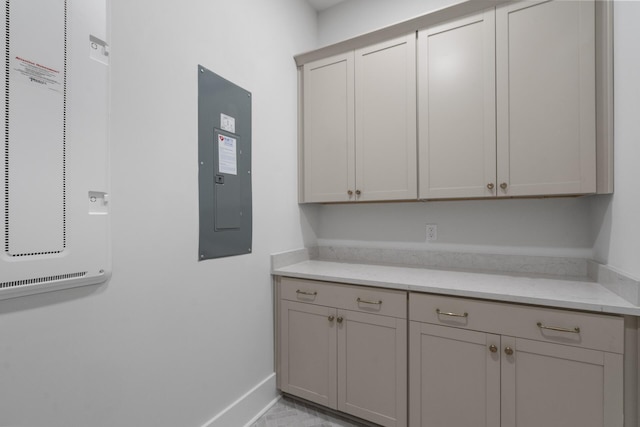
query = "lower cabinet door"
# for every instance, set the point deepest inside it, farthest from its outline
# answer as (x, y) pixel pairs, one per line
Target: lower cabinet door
(546, 384)
(308, 352)
(372, 367)
(455, 377)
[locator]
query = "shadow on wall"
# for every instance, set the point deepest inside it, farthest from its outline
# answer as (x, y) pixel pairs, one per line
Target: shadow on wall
(309, 223)
(601, 227)
(534, 223)
(36, 301)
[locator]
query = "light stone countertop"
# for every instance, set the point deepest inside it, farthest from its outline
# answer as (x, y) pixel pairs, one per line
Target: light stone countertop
(516, 288)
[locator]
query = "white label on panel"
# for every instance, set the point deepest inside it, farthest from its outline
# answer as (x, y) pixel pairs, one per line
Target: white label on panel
(227, 155)
(228, 123)
(36, 74)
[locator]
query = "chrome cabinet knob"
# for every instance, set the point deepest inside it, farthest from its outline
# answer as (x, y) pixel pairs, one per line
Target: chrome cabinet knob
(490, 186)
(508, 351)
(340, 319)
(503, 185)
(350, 193)
(358, 192)
(493, 348)
(331, 318)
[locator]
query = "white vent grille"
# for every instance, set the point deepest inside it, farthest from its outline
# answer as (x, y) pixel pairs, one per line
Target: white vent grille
(42, 281)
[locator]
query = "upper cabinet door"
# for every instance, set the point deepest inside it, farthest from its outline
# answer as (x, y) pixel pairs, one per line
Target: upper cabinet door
(546, 98)
(456, 99)
(329, 129)
(385, 81)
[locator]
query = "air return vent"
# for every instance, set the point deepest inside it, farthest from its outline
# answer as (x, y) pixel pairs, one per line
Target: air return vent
(41, 281)
(54, 177)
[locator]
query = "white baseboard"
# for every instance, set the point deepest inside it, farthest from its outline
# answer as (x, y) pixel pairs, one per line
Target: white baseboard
(249, 407)
(263, 411)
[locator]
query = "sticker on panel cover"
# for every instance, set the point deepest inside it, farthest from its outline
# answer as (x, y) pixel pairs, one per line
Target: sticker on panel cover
(36, 74)
(227, 155)
(227, 123)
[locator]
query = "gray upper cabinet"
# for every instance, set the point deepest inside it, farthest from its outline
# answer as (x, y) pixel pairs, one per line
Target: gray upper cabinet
(329, 139)
(534, 64)
(456, 72)
(546, 111)
(360, 125)
(386, 121)
(510, 101)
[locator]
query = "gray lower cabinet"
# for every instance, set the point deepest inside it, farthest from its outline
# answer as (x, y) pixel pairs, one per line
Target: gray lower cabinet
(455, 378)
(345, 347)
(308, 352)
(480, 363)
(471, 363)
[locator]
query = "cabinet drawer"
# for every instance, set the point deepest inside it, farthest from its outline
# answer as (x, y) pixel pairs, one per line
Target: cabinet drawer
(309, 291)
(373, 300)
(385, 302)
(581, 329)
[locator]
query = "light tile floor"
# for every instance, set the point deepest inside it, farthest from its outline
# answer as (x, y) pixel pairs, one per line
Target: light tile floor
(293, 413)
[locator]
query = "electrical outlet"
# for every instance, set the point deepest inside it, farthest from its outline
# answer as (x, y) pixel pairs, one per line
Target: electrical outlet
(432, 232)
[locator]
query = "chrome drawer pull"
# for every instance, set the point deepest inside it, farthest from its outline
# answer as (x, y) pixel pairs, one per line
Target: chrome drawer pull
(575, 330)
(364, 301)
(444, 313)
(313, 294)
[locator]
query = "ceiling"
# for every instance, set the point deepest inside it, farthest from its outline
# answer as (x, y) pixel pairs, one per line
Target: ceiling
(321, 5)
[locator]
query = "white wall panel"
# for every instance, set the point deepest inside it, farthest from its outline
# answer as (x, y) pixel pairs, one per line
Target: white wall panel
(55, 156)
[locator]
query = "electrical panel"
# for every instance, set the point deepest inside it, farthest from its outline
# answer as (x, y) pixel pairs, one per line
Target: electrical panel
(224, 156)
(54, 158)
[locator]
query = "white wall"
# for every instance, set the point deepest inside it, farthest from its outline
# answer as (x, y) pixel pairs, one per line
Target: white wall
(528, 227)
(355, 17)
(617, 218)
(169, 341)
(534, 227)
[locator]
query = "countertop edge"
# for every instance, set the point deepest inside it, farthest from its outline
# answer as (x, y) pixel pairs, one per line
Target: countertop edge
(623, 307)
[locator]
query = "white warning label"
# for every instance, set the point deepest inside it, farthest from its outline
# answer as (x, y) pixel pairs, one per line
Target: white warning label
(33, 73)
(227, 155)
